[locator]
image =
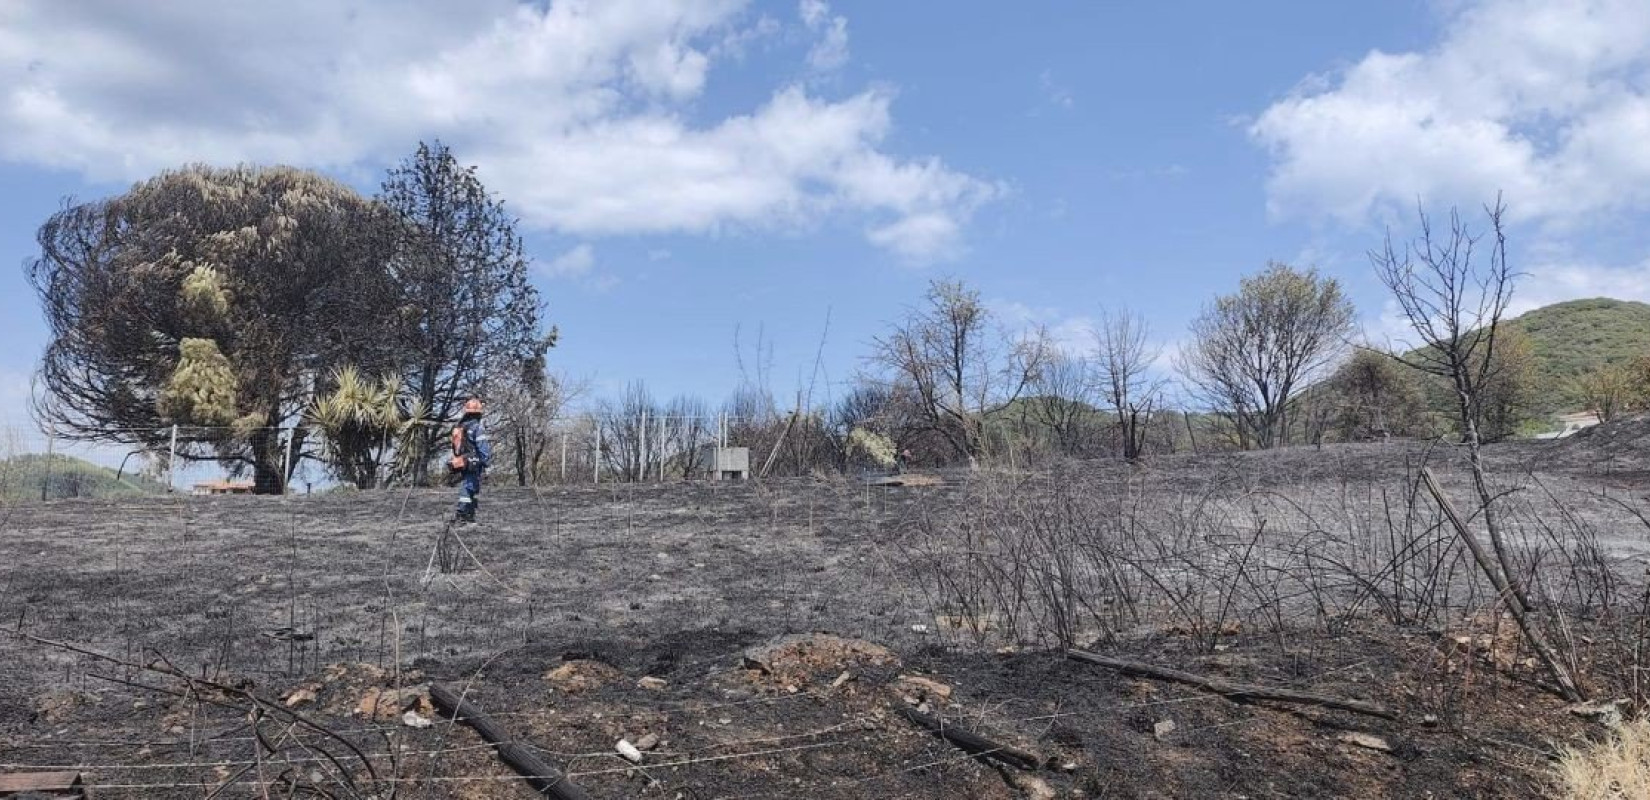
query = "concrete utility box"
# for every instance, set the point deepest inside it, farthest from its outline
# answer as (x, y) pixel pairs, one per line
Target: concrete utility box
(727, 463)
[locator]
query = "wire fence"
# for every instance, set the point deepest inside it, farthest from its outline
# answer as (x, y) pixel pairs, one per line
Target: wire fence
(39, 463)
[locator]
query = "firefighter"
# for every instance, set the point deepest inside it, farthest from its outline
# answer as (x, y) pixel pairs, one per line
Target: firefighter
(471, 455)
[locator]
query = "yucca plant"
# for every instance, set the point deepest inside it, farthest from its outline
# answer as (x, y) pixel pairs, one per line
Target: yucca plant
(362, 423)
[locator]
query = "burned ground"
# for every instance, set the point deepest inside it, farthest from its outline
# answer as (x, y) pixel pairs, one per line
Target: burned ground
(566, 598)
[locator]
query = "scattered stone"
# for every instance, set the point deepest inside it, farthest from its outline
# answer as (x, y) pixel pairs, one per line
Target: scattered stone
(648, 741)
(1162, 729)
(387, 704)
(629, 751)
(299, 696)
(841, 679)
(413, 719)
(1031, 787)
(1069, 766)
(917, 684)
(61, 704)
(653, 684)
(582, 675)
(1429, 720)
(1366, 740)
(807, 652)
(919, 629)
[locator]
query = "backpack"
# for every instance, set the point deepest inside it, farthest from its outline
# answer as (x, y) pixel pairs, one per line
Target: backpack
(461, 449)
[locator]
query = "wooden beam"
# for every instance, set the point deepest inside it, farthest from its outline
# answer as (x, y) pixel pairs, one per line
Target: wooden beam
(1236, 691)
(971, 742)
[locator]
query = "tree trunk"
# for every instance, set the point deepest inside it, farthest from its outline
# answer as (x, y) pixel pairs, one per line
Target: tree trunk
(266, 461)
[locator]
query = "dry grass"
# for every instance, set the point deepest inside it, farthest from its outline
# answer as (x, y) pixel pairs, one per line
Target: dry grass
(1614, 769)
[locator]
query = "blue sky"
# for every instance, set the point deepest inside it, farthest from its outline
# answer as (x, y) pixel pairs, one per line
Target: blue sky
(685, 170)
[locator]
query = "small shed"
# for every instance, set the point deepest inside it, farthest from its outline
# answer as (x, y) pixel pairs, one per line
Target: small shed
(726, 463)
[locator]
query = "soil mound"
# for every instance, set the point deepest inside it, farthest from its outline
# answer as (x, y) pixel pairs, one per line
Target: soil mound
(1617, 445)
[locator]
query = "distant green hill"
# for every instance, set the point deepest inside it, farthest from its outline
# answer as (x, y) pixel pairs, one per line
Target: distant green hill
(1570, 338)
(24, 477)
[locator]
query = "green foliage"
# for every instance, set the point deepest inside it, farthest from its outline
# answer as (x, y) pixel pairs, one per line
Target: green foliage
(1569, 340)
(63, 477)
(1609, 390)
(360, 420)
(201, 391)
(1373, 396)
(1251, 352)
(1508, 401)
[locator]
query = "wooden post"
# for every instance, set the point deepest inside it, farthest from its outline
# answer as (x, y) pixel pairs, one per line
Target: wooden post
(596, 462)
(51, 449)
(172, 462)
(1567, 686)
(641, 450)
(661, 440)
(564, 456)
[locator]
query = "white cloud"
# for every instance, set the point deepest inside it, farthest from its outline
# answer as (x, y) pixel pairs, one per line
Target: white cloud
(1547, 101)
(575, 263)
(1556, 282)
(831, 51)
(1072, 335)
(580, 113)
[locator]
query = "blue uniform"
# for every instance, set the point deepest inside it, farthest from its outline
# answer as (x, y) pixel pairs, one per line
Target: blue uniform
(478, 453)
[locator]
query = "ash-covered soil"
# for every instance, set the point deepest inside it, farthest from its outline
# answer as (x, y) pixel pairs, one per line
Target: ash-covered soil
(564, 599)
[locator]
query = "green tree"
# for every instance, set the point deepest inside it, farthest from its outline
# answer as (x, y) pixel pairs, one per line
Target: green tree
(1375, 396)
(1252, 351)
(1507, 398)
(1607, 390)
(209, 297)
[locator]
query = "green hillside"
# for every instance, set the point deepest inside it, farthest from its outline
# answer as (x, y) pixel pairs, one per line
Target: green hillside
(22, 478)
(1570, 338)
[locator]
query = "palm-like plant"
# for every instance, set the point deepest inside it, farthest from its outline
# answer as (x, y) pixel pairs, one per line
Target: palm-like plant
(362, 421)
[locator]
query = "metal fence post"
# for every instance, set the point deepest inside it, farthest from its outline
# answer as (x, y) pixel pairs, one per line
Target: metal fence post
(596, 459)
(51, 449)
(661, 449)
(172, 461)
(286, 462)
(641, 450)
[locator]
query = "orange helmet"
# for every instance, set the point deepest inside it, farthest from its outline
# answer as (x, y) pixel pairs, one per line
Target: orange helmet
(472, 406)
